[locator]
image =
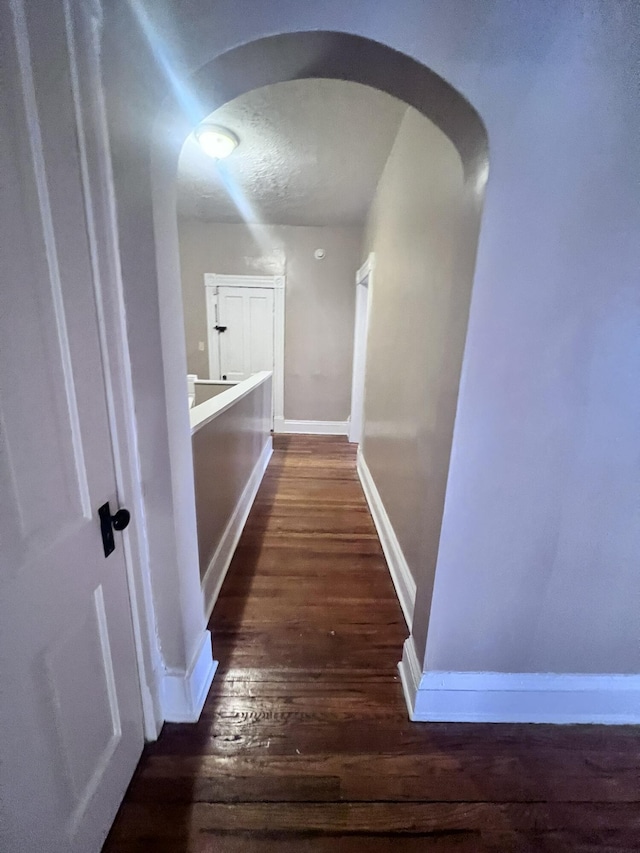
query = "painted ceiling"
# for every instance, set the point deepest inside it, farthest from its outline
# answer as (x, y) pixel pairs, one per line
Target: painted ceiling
(311, 153)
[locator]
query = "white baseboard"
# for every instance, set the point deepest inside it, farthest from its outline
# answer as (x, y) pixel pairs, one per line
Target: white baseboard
(398, 567)
(184, 693)
(410, 675)
(221, 560)
(518, 697)
(311, 427)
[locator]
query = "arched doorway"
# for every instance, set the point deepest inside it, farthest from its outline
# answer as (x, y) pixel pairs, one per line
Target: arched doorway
(255, 64)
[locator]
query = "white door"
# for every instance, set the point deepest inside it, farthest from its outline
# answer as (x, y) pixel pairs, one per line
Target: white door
(70, 709)
(245, 331)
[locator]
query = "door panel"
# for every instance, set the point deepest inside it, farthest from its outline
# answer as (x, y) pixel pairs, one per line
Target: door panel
(260, 310)
(246, 346)
(71, 702)
(87, 741)
(231, 314)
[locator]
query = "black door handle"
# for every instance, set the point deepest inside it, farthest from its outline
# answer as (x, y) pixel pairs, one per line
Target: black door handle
(109, 523)
(220, 328)
(121, 519)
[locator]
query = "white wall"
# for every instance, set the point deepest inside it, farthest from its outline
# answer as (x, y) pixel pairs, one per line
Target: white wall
(538, 559)
(538, 565)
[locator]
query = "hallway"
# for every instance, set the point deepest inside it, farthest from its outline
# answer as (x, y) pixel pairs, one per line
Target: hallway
(304, 743)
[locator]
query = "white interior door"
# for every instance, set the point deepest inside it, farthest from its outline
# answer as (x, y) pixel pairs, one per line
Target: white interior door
(246, 344)
(70, 709)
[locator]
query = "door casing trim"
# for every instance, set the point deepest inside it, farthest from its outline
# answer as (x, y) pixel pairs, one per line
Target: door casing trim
(363, 298)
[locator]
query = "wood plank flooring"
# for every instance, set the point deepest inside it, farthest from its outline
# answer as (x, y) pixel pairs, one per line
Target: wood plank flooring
(304, 743)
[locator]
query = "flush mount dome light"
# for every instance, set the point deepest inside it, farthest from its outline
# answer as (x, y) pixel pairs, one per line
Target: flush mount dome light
(217, 142)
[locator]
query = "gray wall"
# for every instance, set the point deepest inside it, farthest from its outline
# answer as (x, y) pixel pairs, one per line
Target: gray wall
(225, 452)
(423, 230)
(320, 300)
(206, 392)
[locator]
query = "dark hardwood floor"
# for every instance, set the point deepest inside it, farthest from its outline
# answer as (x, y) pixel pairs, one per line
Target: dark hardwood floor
(304, 743)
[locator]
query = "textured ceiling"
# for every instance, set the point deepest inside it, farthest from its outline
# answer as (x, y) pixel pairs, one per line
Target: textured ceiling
(311, 153)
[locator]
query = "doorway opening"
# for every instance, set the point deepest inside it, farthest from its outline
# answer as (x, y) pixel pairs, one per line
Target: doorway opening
(410, 205)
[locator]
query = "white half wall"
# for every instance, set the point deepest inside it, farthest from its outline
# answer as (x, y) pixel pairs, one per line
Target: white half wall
(232, 447)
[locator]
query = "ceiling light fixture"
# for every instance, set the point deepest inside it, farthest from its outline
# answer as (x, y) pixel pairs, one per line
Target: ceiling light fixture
(217, 142)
